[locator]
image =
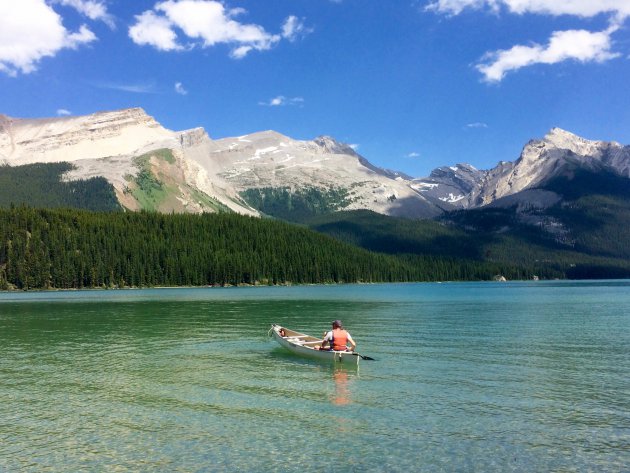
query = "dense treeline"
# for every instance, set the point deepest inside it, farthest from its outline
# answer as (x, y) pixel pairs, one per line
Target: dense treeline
(495, 242)
(69, 248)
(42, 248)
(42, 185)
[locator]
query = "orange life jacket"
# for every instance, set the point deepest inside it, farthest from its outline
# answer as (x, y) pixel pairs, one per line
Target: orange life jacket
(339, 339)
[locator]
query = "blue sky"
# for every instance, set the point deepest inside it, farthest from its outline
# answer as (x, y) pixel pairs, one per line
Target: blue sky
(413, 84)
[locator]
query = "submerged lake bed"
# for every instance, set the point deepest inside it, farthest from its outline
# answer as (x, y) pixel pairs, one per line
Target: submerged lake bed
(519, 376)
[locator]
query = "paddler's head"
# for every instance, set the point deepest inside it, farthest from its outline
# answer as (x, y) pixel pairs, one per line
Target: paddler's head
(337, 324)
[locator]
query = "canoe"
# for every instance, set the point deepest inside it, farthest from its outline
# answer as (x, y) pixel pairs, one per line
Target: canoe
(304, 345)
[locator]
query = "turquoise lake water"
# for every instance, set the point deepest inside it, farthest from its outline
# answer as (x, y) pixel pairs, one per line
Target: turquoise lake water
(530, 377)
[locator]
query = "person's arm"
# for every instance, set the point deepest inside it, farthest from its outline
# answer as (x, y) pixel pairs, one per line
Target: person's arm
(327, 338)
(354, 345)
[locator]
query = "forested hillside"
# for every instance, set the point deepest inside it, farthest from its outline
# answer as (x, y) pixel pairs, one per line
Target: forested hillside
(77, 249)
(594, 243)
(41, 185)
(67, 248)
(466, 252)
(588, 230)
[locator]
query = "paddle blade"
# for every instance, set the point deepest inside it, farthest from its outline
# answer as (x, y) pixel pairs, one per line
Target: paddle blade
(363, 357)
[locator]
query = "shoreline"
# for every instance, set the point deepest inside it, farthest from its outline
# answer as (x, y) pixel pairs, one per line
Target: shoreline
(323, 284)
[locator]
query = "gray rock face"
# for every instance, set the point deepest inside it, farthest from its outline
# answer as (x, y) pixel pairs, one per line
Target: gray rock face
(269, 159)
(463, 186)
(542, 160)
(451, 186)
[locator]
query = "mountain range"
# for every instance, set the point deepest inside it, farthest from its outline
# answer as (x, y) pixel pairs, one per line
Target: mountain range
(195, 173)
(561, 209)
(151, 167)
(559, 153)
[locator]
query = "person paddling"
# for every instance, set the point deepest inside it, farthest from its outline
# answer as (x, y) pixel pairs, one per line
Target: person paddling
(338, 338)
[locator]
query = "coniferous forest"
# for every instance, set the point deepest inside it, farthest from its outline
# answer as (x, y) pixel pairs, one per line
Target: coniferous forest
(78, 249)
(72, 248)
(42, 185)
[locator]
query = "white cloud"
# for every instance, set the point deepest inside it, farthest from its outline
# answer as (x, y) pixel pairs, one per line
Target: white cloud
(84, 35)
(132, 88)
(240, 52)
(179, 88)
(62, 112)
(155, 31)
(294, 28)
(580, 45)
(582, 8)
(355, 147)
(31, 30)
(281, 101)
(476, 125)
(203, 23)
(413, 154)
(93, 9)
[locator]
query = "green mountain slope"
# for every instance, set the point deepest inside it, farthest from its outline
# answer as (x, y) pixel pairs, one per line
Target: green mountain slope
(41, 185)
(161, 186)
(461, 254)
(296, 205)
(590, 226)
(586, 235)
(597, 212)
(397, 236)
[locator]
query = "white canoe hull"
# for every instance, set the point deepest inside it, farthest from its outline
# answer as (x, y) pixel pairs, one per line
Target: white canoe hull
(304, 345)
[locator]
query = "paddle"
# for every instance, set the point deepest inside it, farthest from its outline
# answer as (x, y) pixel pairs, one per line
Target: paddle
(363, 357)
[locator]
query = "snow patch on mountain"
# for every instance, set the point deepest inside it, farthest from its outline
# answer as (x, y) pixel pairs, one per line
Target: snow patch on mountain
(451, 199)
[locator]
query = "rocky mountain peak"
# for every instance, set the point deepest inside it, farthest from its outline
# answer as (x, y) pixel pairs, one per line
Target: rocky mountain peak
(127, 116)
(194, 137)
(330, 145)
(101, 134)
(558, 134)
(137, 112)
(268, 135)
(566, 140)
(459, 170)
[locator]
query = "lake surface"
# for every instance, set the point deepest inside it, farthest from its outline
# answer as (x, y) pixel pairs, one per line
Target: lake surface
(468, 377)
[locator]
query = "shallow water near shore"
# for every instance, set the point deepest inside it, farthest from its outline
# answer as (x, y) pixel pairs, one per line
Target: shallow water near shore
(523, 376)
